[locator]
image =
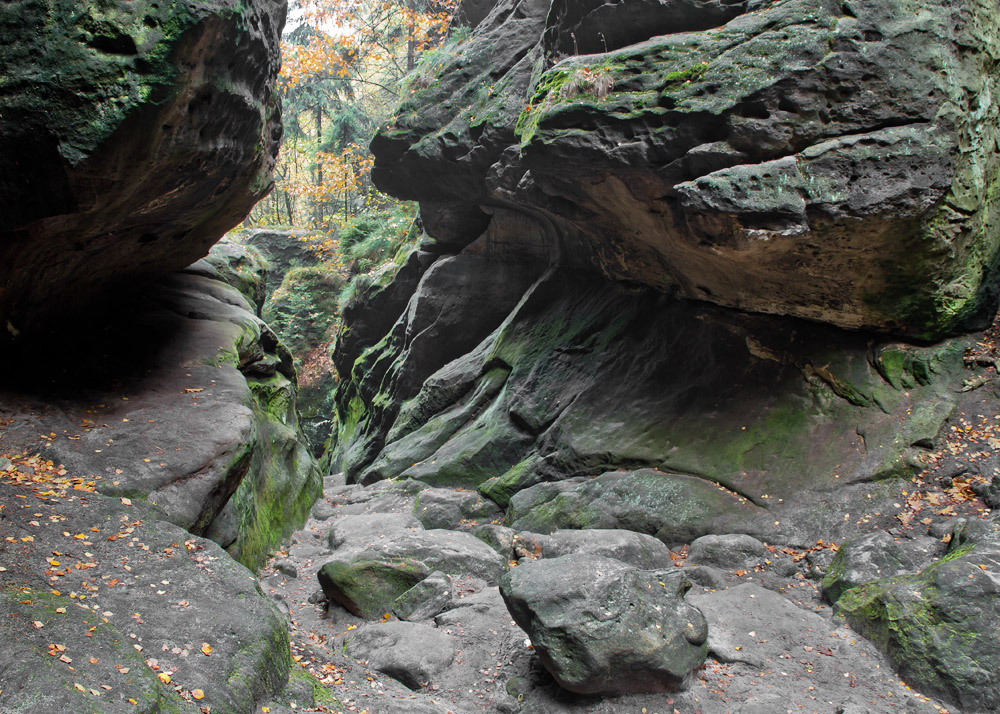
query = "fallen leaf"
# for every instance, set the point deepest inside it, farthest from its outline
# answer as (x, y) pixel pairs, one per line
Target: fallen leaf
(164, 677)
(206, 649)
(197, 694)
(126, 501)
(79, 686)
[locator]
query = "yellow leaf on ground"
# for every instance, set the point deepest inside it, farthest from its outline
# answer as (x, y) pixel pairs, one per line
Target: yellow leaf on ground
(197, 694)
(164, 677)
(206, 649)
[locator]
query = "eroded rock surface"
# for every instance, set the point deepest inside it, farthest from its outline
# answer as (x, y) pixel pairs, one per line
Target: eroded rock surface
(600, 626)
(936, 624)
(803, 158)
(143, 600)
(187, 402)
(132, 136)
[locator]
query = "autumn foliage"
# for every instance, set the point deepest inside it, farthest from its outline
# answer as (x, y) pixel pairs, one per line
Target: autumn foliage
(343, 62)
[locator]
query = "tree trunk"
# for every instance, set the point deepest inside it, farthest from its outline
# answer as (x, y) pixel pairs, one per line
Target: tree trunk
(411, 40)
(288, 208)
(318, 206)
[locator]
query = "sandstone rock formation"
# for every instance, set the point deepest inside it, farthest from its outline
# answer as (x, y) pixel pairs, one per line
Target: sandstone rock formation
(584, 194)
(689, 269)
(132, 135)
(937, 624)
(186, 401)
(300, 302)
(599, 625)
(816, 159)
(118, 641)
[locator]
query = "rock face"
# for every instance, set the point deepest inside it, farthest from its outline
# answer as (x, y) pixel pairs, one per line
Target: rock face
(800, 158)
(938, 625)
(300, 302)
(107, 657)
(689, 269)
(197, 418)
(132, 135)
(584, 194)
(600, 626)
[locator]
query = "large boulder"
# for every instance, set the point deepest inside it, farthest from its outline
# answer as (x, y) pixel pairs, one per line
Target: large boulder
(601, 626)
(132, 136)
(409, 652)
(368, 578)
(939, 625)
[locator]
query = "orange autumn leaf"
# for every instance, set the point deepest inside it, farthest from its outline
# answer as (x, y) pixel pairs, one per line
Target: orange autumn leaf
(206, 649)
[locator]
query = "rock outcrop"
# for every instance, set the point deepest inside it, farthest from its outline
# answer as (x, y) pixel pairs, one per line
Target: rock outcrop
(584, 194)
(300, 301)
(187, 402)
(132, 136)
(937, 624)
(158, 626)
(690, 269)
(809, 158)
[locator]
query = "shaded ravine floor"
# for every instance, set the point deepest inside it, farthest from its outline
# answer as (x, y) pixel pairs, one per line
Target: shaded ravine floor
(772, 637)
(774, 646)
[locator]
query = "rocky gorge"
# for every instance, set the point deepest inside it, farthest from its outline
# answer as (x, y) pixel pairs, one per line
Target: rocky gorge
(685, 399)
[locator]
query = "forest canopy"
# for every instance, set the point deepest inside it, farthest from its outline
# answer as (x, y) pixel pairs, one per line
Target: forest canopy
(343, 63)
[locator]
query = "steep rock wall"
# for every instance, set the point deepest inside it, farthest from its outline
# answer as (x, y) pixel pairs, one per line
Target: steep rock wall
(132, 135)
(552, 341)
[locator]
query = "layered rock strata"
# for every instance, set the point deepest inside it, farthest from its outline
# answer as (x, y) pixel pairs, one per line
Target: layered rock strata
(187, 403)
(132, 136)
